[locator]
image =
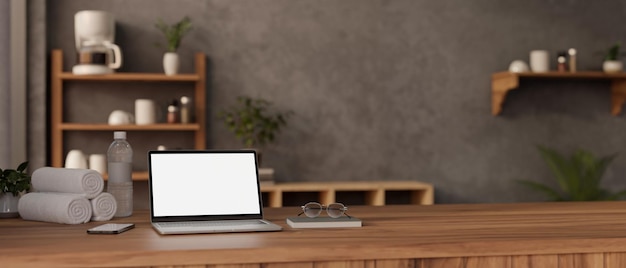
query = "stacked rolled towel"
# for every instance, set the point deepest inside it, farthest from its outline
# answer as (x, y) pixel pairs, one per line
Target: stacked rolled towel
(104, 207)
(55, 207)
(68, 180)
(66, 195)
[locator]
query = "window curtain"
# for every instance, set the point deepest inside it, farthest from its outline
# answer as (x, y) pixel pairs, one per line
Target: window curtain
(12, 83)
(5, 84)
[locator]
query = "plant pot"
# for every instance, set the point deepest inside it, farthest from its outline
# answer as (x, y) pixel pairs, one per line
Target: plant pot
(171, 63)
(612, 66)
(8, 205)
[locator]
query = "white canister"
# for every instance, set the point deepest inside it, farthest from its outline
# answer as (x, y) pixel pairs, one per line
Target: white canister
(145, 112)
(539, 61)
(98, 162)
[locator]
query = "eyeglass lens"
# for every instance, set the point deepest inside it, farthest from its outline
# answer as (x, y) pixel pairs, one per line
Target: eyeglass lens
(335, 210)
(312, 210)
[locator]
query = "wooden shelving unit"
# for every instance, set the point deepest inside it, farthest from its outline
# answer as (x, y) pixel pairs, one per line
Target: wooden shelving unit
(503, 82)
(59, 126)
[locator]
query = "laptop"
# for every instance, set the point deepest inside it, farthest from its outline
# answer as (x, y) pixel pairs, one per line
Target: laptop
(205, 191)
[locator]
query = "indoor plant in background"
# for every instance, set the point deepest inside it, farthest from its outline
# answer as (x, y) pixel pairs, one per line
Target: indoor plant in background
(173, 35)
(252, 122)
(612, 62)
(578, 176)
(13, 183)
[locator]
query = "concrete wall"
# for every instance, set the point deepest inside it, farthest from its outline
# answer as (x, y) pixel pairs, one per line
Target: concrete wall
(390, 90)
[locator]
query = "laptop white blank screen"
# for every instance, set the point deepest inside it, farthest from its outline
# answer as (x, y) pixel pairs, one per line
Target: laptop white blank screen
(191, 184)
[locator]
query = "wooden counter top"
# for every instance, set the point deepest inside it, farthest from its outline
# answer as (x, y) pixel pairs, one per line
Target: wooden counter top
(477, 235)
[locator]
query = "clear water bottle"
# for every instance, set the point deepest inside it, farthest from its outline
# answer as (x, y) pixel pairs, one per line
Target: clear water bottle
(120, 166)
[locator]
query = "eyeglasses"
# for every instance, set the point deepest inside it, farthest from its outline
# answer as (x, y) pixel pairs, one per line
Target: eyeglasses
(314, 209)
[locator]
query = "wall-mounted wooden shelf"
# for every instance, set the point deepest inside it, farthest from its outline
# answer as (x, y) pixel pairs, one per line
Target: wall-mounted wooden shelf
(503, 82)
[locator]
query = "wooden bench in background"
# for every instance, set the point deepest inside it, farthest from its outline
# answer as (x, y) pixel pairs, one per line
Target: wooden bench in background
(375, 191)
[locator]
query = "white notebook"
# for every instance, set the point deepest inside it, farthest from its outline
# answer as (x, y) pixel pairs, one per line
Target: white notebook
(323, 222)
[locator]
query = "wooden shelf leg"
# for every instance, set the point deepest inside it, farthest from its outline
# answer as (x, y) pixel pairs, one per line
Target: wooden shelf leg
(275, 198)
(375, 197)
(327, 197)
(501, 84)
(422, 197)
(618, 96)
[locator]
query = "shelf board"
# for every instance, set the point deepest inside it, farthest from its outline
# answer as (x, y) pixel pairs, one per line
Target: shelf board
(137, 176)
(106, 127)
(503, 82)
(553, 74)
(142, 77)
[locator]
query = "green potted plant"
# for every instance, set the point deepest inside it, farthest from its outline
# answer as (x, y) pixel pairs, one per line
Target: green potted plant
(612, 62)
(173, 35)
(578, 176)
(252, 122)
(13, 183)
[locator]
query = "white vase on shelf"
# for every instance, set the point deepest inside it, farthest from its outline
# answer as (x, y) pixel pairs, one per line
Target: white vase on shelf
(171, 63)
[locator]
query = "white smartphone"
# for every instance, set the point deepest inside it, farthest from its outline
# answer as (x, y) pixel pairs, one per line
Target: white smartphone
(111, 228)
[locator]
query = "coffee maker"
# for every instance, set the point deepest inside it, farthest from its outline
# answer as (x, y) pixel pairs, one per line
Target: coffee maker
(94, 31)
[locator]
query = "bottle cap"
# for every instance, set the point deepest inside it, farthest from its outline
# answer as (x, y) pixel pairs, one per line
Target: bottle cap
(119, 135)
(572, 51)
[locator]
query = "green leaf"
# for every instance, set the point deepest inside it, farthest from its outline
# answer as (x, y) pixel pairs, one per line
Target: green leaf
(22, 166)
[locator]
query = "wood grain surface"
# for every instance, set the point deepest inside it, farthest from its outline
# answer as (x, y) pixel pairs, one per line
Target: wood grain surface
(574, 235)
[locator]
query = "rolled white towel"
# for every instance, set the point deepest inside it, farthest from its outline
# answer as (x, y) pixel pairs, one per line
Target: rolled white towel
(55, 207)
(68, 180)
(103, 206)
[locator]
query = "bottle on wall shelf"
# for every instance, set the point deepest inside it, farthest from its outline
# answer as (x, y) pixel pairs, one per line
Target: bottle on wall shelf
(185, 116)
(572, 60)
(120, 166)
(562, 62)
(173, 112)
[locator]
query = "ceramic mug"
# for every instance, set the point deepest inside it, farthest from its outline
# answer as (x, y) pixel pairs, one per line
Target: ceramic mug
(75, 159)
(98, 162)
(145, 112)
(539, 61)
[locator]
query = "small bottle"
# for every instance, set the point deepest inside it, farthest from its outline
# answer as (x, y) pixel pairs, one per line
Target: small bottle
(172, 113)
(120, 166)
(185, 116)
(562, 67)
(572, 60)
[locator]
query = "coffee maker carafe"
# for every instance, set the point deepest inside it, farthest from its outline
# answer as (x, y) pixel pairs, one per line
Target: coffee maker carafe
(95, 33)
